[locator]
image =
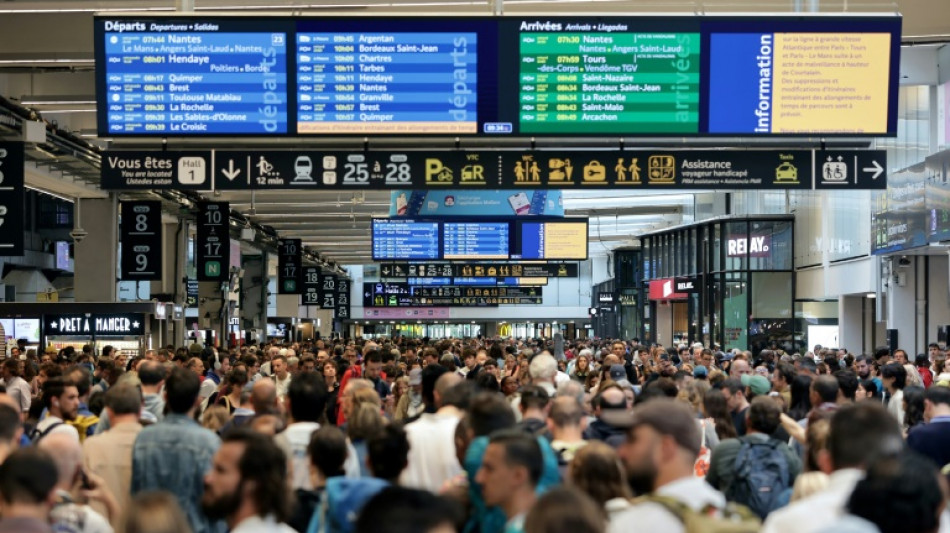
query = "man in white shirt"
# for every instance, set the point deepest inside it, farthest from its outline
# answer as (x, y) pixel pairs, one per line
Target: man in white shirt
(246, 485)
(432, 455)
(17, 387)
(659, 454)
(61, 400)
(859, 433)
(306, 403)
(282, 375)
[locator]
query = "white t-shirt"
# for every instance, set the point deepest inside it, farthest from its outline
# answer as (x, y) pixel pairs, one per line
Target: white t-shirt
(692, 491)
(256, 524)
(62, 428)
(70, 517)
(294, 441)
(282, 385)
(432, 457)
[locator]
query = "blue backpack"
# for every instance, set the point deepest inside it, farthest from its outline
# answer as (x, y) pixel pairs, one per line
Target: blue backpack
(761, 480)
(342, 502)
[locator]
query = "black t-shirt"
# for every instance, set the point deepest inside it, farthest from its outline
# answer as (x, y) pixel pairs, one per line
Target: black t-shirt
(738, 419)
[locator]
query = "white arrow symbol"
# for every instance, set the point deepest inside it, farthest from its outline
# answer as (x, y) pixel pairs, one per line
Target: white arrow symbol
(877, 169)
(231, 172)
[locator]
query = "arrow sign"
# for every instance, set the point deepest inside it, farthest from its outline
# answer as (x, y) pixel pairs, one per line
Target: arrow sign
(876, 168)
(230, 172)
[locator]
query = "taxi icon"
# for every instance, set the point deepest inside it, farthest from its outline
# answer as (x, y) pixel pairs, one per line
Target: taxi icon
(786, 172)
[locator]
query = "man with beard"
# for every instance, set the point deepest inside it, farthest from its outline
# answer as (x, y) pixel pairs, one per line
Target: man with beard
(61, 400)
(245, 486)
(659, 454)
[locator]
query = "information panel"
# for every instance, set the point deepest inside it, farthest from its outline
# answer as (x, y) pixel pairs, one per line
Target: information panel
(190, 76)
(479, 270)
(141, 238)
(475, 240)
(554, 240)
(405, 239)
(617, 75)
(213, 242)
(289, 267)
(393, 82)
(616, 81)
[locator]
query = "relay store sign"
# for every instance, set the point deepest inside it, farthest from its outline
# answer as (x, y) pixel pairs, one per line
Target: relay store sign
(128, 324)
(665, 289)
(760, 246)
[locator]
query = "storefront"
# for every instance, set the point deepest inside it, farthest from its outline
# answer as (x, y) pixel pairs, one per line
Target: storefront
(727, 281)
(126, 326)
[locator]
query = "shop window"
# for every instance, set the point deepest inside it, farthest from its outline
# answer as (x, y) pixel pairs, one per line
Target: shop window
(735, 313)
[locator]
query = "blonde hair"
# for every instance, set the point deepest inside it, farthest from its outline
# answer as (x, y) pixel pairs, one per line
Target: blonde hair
(365, 419)
(693, 394)
(808, 483)
(215, 417)
(153, 512)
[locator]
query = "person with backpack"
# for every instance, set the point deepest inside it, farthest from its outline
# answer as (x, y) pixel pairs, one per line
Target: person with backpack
(659, 455)
(61, 400)
(756, 470)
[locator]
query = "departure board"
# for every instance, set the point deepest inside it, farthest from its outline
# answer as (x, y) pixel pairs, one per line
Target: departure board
(387, 83)
(405, 240)
(185, 77)
(475, 240)
(579, 81)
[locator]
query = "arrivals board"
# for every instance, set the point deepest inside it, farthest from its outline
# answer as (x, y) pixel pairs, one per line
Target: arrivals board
(626, 75)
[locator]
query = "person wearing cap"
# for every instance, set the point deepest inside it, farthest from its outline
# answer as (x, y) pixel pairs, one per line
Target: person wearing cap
(700, 373)
(618, 375)
(659, 454)
(762, 420)
(411, 404)
(610, 401)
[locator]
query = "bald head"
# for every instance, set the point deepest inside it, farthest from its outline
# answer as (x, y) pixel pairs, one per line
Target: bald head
(443, 384)
(264, 396)
(67, 454)
(8, 400)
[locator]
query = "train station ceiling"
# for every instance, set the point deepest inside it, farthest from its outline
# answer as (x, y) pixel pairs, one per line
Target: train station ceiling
(46, 63)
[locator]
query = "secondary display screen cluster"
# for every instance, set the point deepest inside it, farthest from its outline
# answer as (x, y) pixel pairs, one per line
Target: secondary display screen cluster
(428, 240)
(463, 76)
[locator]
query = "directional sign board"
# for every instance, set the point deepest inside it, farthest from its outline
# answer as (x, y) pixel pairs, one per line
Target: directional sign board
(849, 169)
(289, 268)
(11, 199)
(311, 286)
(136, 170)
(328, 291)
(141, 239)
(493, 170)
(213, 243)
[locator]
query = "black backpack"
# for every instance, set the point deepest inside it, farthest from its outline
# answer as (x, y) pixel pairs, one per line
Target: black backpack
(761, 480)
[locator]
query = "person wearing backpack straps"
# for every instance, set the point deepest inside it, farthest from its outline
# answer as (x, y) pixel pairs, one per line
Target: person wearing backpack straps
(659, 455)
(756, 470)
(61, 400)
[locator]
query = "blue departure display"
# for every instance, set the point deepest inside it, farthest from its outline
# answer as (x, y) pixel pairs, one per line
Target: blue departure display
(475, 240)
(405, 240)
(351, 82)
(188, 78)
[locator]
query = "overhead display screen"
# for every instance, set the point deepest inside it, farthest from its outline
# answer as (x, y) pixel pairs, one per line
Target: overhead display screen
(185, 77)
(411, 76)
(405, 240)
(508, 239)
(475, 240)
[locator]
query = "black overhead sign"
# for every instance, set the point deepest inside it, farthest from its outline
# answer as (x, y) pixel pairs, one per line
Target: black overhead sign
(490, 170)
(118, 324)
(478, 270)
(213, 245)
(289, 268)
(141, 241)
(405, 295)
(342, 311)
(135, 170)
(311, 286)
(11, 198)
(328, 291)
(686, 285)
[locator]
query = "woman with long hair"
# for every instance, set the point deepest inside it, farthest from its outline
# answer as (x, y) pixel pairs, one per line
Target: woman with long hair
(913, 406)
(236, 380)
(596, 471)
(581, 369)
(801, 397)
(714, 407)
(363, 418)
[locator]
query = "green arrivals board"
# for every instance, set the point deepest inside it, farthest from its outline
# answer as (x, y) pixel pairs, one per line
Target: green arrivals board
(628, 82)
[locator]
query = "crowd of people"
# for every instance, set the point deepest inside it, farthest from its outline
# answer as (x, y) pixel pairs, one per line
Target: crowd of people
(474, 436)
